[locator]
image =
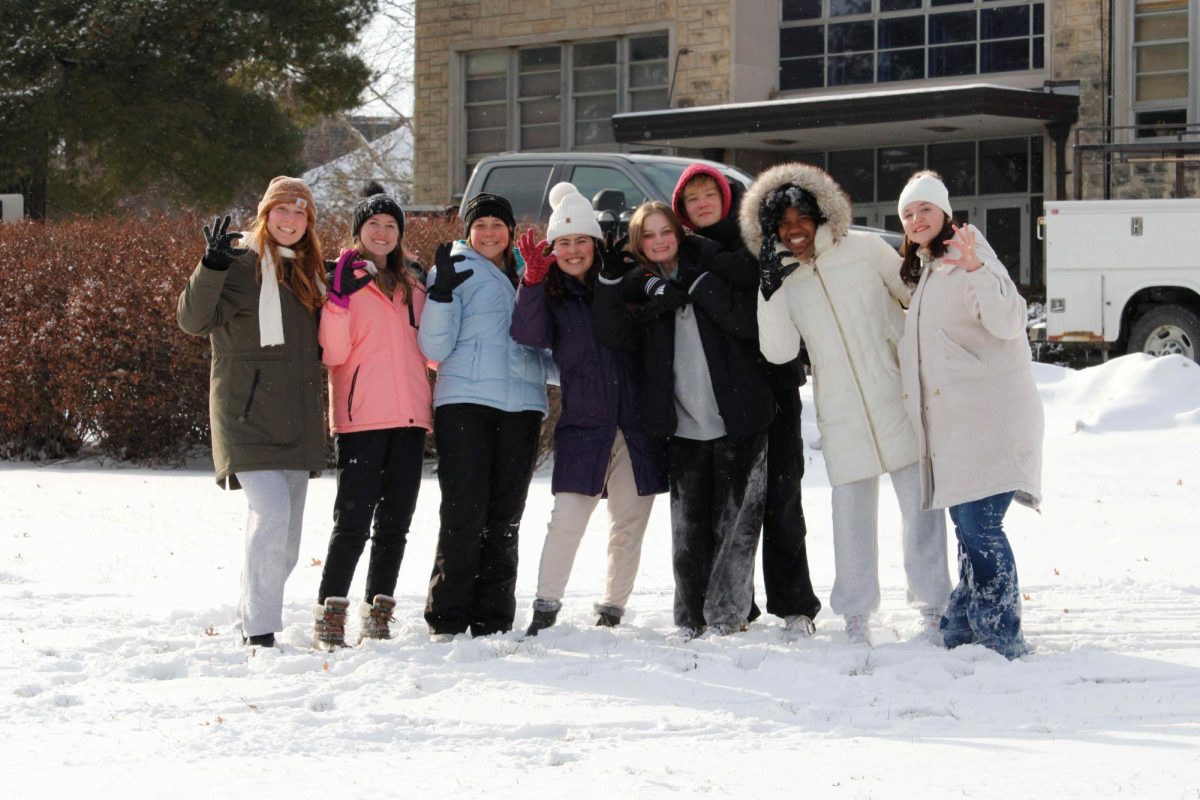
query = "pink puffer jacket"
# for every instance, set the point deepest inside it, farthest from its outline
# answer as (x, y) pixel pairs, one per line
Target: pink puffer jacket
(377, 375)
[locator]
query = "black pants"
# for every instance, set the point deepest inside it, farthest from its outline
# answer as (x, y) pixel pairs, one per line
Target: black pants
(785, 557)
(378, 476)
(485, 462)
(717, 493)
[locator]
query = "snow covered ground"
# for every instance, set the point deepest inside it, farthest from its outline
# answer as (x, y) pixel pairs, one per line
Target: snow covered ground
(121, 676)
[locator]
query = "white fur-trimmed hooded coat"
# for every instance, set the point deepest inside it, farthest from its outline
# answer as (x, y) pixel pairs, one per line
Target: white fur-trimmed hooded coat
(847, 304)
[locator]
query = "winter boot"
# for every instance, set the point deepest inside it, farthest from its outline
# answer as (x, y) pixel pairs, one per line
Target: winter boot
(261, 640)
(373, 618)
(799, 626)
(545, 614)
(608, 616)
(857, 628)
(329, 624)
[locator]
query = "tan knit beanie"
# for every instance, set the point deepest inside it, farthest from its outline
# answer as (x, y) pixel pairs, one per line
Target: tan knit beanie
(283, 189)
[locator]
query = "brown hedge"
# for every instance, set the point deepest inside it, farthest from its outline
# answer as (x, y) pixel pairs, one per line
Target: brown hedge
(96, 363)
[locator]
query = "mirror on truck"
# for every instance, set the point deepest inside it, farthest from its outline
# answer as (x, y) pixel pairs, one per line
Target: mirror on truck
(611, 211)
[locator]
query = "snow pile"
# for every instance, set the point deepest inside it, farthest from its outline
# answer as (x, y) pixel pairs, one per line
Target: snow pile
(122, 676)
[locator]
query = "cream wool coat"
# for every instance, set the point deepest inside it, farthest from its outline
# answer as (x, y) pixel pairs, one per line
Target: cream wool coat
(847, 304)
(969, 387)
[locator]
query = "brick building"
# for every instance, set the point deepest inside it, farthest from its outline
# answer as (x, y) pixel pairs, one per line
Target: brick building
(994, 94)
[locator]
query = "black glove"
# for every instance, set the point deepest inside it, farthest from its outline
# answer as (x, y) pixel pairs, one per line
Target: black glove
(771, 269)
(447, 279)
(658, 293)
(343, 282)
(614, 261)
(220, 252)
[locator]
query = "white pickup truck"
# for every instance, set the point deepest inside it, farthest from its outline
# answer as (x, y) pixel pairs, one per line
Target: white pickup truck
(1124, 275)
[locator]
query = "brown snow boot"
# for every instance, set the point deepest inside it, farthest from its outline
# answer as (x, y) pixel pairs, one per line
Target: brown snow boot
(329, 624)
(373, 618)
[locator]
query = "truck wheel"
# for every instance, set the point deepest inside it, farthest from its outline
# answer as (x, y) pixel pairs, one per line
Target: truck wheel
(1167, 330)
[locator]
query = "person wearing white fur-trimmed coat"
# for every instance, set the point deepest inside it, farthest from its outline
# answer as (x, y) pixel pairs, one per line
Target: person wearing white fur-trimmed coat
(840, 291)
(966, 366)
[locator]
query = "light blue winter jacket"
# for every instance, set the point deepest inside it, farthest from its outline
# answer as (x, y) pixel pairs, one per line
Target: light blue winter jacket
(478, 360)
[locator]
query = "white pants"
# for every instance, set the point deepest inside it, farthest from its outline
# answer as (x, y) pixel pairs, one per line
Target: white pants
(628, 514)
(856, 545)
(276, 499)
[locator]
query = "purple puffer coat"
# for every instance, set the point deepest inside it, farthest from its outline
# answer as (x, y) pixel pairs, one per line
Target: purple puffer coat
(600, 389)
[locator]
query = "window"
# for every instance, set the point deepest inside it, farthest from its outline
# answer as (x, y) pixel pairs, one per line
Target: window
(826, 43)
(1161, 54)
(591, 180)
(523, 186)
(517, 98)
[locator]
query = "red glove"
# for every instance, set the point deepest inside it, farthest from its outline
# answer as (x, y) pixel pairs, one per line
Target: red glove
(536, 264)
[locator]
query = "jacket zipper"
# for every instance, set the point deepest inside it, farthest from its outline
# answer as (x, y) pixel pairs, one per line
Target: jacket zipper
(350, 399)
(253, 389)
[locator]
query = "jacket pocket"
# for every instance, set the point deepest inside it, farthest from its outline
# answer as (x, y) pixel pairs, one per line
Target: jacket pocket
(955, 352)
(261, 407)
(350, 396)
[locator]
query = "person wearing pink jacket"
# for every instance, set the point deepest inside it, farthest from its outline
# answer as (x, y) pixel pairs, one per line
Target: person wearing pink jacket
(380, 409)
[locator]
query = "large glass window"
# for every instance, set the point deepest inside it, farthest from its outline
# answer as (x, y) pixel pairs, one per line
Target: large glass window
(516, 98)
(1161, 54)
(844, 42)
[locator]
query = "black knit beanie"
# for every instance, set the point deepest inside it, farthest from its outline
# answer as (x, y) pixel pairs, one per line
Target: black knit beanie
(777, 201)
(488, 205)
(376, 201)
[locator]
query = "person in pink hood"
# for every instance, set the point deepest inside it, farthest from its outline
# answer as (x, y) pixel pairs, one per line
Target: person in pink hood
(380, 409)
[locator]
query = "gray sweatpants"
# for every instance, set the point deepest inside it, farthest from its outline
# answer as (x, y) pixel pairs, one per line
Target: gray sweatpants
(856, 545)
(276, 499)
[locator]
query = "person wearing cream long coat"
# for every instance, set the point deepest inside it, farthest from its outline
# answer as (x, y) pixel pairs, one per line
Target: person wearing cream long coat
(847, 304)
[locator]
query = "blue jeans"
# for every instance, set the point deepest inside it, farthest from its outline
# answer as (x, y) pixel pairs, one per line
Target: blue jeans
(985, 607)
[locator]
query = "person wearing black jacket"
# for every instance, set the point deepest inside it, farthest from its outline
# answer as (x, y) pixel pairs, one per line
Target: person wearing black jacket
(707, 392)
(707, 203)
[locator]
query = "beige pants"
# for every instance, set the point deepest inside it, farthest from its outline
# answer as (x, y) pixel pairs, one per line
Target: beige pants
(628, 515)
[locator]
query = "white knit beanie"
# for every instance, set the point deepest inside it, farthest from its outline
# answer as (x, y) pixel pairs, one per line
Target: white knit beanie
(572, 214)
(929, 188)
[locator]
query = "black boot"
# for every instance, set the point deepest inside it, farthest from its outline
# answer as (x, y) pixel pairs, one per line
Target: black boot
(606, 620)
(261, 640)
(541, 619)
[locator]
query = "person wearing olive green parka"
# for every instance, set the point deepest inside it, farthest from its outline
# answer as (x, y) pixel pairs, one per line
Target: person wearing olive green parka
(259, 305)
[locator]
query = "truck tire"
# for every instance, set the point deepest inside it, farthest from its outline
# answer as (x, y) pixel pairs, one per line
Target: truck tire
(1167, 330)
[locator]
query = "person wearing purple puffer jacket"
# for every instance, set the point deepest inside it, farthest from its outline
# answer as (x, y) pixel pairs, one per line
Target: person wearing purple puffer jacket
(600, 448)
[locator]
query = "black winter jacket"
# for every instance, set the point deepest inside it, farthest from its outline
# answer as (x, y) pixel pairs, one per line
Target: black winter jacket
(728, 325)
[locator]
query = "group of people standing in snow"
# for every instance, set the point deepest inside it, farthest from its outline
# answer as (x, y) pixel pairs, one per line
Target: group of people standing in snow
(678, 354)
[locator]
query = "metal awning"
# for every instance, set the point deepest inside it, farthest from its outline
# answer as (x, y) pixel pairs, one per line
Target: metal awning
(864, 119)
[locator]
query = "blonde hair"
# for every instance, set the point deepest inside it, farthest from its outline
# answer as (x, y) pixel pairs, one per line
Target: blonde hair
(637, 224)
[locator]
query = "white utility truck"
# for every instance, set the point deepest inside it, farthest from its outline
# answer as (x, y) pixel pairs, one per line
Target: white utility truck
(1124, 275)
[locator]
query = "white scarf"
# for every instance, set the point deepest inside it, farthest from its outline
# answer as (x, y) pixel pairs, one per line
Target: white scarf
(270, 312)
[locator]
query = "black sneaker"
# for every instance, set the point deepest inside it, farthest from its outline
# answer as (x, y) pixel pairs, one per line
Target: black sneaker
(261, 640)
(541, 619)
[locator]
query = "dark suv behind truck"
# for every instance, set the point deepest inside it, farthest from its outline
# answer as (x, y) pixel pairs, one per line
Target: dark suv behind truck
(525, 179)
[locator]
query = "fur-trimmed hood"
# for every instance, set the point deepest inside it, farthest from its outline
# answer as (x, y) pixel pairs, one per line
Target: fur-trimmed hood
(831, 199)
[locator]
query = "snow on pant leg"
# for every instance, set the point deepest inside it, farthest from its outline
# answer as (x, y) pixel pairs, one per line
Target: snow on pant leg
(360, 463)
(955, 625)
(568, 521)
(994, 608)
(855, 547)
(692, 545)
(923, 534)
(403, 461)
(513, 456)
(786, 576)
(740, 483)
(628, 515)
(268, 548)
(465, 437)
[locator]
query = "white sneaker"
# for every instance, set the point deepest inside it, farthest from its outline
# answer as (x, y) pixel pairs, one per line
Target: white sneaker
(858, 626)
(799, 626)
(682, 635)
(721, 629)
(441, 638)
(931, 625)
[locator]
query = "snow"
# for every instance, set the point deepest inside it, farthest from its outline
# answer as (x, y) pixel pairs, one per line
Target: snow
(122, 676)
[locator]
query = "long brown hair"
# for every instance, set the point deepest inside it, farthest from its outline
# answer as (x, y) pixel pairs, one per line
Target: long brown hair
(910, 267)
(306, 278)
(396, 273)
(637, 224)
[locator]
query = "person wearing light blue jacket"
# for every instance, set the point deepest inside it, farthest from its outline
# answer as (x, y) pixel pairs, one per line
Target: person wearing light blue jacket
(489, 401)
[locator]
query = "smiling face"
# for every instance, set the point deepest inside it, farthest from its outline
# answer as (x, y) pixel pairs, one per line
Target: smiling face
(489, 237)
(798, 233)
(287, 223)
(922, 221)
(574, 254)
(702, 201)
(658, 241)
(379, 236)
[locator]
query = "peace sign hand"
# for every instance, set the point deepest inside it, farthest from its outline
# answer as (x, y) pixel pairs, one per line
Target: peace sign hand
(220, 252)
(964, 242)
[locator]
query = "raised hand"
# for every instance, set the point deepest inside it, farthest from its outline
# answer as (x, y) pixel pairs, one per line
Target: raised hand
(614, 260)
(964, 242)
(447, 279)
(771, 269)
(220, 252)
(536, 264)
(345, 282)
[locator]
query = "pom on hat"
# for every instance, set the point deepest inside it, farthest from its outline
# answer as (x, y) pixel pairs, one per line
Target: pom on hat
(572, 214)
(925, 186)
